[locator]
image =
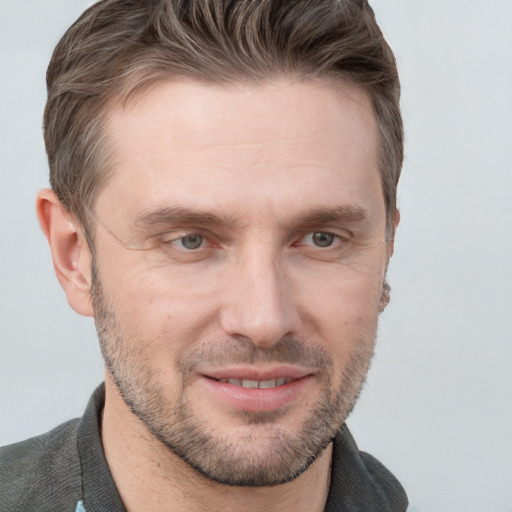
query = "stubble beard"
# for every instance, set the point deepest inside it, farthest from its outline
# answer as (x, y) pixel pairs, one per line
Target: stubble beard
(264, 455)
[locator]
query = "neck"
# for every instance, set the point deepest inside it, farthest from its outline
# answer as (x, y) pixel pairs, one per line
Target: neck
(151, 478)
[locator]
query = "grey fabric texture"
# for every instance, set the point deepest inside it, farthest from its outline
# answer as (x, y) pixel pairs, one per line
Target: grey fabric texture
(42, 473)
(52, 472)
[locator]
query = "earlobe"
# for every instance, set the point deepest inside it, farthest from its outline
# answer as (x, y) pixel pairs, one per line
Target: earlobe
(386, 289)
(70, 252)
(385, 296)
(396, 221)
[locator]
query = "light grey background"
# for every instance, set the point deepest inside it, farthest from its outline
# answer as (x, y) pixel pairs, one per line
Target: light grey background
(437, 408)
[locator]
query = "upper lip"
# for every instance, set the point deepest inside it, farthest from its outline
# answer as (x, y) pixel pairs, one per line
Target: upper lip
(257, 374)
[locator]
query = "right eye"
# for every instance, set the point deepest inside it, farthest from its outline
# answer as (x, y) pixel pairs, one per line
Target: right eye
(190, 242)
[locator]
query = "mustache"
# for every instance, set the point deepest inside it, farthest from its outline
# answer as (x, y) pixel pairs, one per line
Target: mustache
(241, 350)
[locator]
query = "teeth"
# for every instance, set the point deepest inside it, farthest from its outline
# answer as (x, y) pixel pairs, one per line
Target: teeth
(254, 384)
(265, 384)
(250, 383)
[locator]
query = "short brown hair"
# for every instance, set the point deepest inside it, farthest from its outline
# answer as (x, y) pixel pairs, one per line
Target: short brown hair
(118, 47)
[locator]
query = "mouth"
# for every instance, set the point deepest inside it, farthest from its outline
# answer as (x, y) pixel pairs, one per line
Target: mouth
(247, 389)
(257, 384)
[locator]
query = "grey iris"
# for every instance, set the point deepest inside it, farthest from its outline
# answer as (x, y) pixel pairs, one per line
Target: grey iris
(192, 241)
(321, 239)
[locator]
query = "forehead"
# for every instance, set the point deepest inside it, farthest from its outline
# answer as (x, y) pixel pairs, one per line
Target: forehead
(281, 107)
(185, 141)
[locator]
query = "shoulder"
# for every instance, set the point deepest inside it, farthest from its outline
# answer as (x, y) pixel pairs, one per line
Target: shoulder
(385, 483)
(42, 473)
(360, 482)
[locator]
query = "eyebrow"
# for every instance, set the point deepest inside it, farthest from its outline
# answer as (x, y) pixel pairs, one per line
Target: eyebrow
(173, 215)
(183, 216)
(339, 214)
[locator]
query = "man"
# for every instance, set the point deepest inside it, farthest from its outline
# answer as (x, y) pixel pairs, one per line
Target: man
(223, 204)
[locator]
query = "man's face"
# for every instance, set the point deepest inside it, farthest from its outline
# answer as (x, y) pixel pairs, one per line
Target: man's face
(240, 260)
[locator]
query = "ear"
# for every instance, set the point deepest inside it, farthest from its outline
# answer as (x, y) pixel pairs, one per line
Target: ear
(391, 244)
(70, 251)
(386, 289)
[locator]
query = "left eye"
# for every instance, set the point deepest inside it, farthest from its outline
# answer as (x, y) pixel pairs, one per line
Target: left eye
(320, 239)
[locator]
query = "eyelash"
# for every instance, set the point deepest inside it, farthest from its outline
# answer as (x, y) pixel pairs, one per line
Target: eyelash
(299, 241)
(183, 236)
(334, 236)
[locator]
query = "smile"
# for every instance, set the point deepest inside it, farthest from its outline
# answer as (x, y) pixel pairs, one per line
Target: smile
(256, 384)
(257, 393)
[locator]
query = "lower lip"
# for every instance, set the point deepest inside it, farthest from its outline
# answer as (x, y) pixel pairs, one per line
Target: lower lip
(257, 400)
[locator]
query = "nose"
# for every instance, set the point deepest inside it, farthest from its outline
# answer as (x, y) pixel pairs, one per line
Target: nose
(259, 303)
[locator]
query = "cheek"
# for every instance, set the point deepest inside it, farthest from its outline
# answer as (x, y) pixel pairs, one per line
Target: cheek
(344, 299)
(342, 315)
(166, 318)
